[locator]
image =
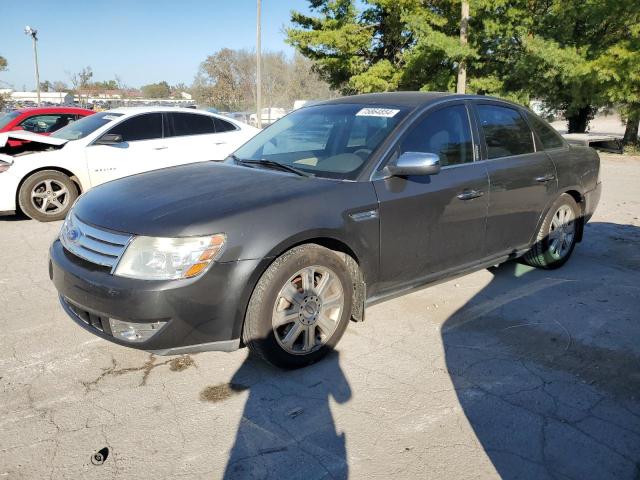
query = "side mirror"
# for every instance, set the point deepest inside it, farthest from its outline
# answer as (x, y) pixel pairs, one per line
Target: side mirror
(109, 139)
(415, 163)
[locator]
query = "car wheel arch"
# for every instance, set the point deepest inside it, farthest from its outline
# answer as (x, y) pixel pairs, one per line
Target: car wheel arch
(338, 246)
(74, 178)
(575, 193)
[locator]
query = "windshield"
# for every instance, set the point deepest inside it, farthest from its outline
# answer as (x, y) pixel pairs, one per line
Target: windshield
(85, 126)
(333, 141)
(7, 118)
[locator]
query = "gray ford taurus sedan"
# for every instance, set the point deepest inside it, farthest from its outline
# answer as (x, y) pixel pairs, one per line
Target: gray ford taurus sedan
(335, 206)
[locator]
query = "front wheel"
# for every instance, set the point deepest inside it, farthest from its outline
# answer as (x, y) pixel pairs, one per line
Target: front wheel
(557, 236)
(47, 195)
(300, 307)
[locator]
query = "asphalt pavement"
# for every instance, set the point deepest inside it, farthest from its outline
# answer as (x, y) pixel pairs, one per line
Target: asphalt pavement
(510, 372)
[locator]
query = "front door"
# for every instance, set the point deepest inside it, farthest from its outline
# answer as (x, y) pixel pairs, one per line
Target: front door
(143, 149)
(431, 224)
(523, 180)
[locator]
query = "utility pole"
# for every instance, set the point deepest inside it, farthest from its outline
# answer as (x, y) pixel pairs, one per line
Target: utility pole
(258, 70)
(464, 38)
(32, 32)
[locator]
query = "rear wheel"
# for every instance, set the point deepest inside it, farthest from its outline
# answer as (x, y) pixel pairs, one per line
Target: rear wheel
(557, 236)
(47, 195)
(300, 308)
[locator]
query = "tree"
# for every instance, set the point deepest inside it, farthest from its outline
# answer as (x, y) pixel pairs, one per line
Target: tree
(517, 48)
(80, 82)
(227, 80)
(3, 66)
(46, 86)
(60, 86)
(618, 69)
(156, 90)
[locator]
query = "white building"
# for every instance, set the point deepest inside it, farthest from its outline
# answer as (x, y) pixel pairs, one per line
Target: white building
(57, 98)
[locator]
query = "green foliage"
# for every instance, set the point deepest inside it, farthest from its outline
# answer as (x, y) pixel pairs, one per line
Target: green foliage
(3, 63)
(156, 90)
(568, 53)
(105, 85)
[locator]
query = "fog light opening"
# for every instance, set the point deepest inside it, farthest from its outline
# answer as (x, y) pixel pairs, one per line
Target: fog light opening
(134, 332)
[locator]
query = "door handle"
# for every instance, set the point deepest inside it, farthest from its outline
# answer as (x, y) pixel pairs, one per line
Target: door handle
(545, 178)
(160, 148)
(469, 194)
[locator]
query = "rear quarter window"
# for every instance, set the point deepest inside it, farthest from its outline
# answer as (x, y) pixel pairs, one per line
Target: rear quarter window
(549, 137)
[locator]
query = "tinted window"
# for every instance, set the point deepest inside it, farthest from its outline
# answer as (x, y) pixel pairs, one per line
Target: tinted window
(86, 125)
(446, 133)
(505, 131)
(141, 127)
(325, 140)
(190, 124)
(547, 135)
(46, 123)
(222, 126)
(364, 128)
(311, 134)
(7, 118)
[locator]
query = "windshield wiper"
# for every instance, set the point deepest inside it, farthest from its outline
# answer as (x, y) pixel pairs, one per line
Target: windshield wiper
(273, 165)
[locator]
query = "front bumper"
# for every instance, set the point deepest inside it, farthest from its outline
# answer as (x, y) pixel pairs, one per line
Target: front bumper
(8, 189)
(203, 313)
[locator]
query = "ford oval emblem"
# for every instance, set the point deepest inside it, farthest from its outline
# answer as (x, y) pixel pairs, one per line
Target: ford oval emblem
(73, 234)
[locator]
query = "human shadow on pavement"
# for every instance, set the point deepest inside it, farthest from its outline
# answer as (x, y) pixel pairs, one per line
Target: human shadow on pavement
(287, 429)
(546, 363)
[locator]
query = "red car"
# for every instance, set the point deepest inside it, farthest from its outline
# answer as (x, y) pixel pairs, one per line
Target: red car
(42, 120)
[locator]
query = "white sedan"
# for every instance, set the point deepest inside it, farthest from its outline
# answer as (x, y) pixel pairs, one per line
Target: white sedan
(106, 146)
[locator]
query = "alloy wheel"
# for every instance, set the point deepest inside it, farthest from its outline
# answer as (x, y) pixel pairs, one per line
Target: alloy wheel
(50, 197)
(562, 231)
(307, 310)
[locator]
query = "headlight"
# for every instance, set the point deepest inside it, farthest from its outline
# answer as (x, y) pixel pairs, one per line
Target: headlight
(153, 258)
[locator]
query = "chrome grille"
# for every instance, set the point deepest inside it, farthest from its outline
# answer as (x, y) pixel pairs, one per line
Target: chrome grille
(95, 245)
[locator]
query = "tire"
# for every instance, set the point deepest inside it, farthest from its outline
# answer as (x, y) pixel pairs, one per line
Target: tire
(295, 327)
(47, 195)
(552, 250)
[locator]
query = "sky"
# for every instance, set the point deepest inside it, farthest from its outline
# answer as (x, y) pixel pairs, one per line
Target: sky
(142, 41)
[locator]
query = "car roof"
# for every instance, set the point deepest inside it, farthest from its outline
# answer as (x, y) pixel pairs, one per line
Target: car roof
(405, 99)
(54, 110)
(158, 108)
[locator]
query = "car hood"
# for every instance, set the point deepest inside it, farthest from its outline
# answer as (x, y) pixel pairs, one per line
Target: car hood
(194, 199)
(31, 137)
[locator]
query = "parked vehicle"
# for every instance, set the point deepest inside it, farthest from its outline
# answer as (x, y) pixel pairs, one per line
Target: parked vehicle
(244, 117)
(42, 120)
(338, 205)
(110, 145)
(269, 116)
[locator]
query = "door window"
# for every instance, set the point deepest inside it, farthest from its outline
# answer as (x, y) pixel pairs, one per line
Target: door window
(184, 124)
(222, 126)
(505, 131)
(445, 132)
(141, 127)
(547, 135)
(46, 123)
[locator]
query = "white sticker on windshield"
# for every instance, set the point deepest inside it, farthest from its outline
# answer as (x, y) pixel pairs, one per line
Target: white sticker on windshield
(110, 117)
(377, 112)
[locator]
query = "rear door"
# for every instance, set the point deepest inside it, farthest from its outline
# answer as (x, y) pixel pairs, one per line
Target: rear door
(143, 149)
(522, 179)
(432, 224)
(193, 137)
